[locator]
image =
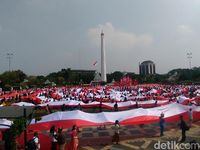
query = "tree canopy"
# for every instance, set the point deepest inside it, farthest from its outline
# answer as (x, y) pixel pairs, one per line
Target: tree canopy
(68, 76)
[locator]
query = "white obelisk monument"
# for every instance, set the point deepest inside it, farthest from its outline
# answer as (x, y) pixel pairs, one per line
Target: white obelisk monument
(103, 59)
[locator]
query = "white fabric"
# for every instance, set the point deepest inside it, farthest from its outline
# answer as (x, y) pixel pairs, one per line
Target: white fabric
(4, 123)
(120, 104)
(23, 104)
(181, 98)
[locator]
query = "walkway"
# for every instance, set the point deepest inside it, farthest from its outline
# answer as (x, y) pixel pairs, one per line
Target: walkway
(133, 137)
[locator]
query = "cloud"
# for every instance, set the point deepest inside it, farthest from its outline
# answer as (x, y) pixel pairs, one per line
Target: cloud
(117, 39)
(184, 29)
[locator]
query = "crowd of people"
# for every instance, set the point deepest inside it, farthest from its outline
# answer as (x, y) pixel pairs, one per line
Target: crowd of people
(89, 94)
(58, 139)
(104, 94)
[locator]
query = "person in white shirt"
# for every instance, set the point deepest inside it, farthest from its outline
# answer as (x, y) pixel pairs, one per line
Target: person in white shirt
(36, 140)
(190, 113)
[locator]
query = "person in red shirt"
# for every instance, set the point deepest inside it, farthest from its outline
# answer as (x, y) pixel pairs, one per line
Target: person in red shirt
(74, 138)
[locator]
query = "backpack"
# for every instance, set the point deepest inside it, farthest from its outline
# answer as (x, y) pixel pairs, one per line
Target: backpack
(61, 139)
(31, 144)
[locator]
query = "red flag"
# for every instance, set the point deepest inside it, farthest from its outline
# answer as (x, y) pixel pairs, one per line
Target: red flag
(95, 63)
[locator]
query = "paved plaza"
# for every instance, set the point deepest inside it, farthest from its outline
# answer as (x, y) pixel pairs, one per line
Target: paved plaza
(133, 137)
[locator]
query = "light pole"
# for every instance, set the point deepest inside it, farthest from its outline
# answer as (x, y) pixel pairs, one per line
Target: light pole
(9, 57)
(189, 56)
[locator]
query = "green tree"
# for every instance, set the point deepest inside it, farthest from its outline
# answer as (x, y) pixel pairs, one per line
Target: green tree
(117, 75)
(12, 78)
(11, 134)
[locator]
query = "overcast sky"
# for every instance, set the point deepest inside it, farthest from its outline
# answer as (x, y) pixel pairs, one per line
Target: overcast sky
(48, 35)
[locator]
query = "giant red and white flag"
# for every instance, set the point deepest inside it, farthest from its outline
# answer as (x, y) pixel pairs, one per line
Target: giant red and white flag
(67, 119)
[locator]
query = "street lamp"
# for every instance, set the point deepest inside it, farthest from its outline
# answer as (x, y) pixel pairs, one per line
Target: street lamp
(189, 56)
(9, 57)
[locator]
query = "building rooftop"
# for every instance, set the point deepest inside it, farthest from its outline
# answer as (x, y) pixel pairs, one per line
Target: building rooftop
(147, 62)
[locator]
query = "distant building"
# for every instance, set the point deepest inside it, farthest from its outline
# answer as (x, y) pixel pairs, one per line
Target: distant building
(147, 68)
